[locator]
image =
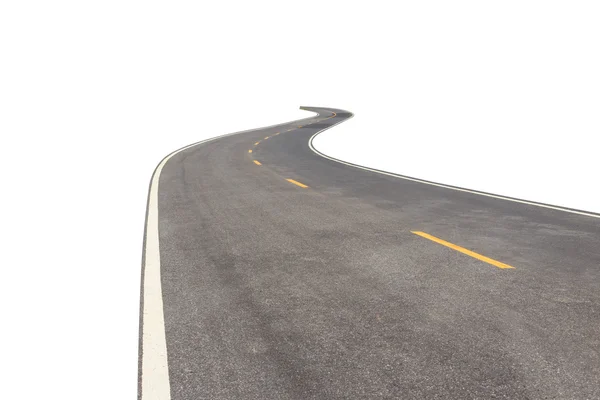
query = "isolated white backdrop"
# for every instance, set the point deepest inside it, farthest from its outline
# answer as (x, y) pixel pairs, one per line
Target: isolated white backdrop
(500, 97)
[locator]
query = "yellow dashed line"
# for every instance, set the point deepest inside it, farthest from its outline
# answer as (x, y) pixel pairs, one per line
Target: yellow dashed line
(256, 162)
(256, 144)
(297, 183)
(463, 250)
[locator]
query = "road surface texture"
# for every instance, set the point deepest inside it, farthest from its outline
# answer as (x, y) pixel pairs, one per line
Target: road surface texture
(287, 275)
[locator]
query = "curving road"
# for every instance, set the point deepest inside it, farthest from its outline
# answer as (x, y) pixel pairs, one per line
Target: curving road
(282, 274)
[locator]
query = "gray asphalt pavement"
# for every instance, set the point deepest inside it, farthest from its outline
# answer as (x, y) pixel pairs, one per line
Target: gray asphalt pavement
(276, 291)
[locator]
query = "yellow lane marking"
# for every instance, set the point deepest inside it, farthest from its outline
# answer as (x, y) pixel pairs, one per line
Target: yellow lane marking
(256, 144)
(266, 138)
(249, 151)
(464, 251)
(256, 162)
(277, 133)
(296, 183)
(300, 126)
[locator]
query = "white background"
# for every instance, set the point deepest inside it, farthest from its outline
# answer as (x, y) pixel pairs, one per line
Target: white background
(496, 96)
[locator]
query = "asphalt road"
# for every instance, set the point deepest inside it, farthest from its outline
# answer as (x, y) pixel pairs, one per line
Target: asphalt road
(273, 290)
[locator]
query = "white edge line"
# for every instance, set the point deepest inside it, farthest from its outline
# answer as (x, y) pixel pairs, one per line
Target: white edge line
(495, 196)
(154, 363)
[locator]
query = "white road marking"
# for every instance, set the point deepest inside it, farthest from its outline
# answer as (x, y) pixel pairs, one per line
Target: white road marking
(155, 368)
(495, 196)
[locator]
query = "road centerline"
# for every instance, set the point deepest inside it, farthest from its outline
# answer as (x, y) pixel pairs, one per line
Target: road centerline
(302, 185)
(463, 250)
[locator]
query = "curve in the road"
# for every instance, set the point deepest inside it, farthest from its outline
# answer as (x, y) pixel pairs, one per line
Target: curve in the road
(273, 271)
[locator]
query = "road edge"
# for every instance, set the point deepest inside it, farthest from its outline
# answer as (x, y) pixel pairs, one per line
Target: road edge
(442, 185)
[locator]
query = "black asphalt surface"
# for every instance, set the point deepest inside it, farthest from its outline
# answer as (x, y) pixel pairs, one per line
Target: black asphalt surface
(273, 291)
